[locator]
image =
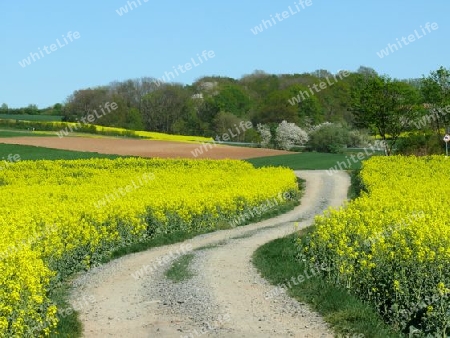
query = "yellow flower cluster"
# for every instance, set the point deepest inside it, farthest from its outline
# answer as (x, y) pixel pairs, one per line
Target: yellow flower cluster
(57, 217)
(155, 135)
(391, 246)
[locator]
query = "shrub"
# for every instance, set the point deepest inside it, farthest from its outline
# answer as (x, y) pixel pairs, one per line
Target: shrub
(334, 138)
(330, 138)
(419, 145)
(358, 139)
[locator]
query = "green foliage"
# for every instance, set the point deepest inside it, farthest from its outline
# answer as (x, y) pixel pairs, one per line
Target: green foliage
(363, 99)
(435, 90)
(358, 138)
(357, 185)
(24, 117)
(164, 106)
(332, 138)
(336, 102)
(251, 136)
(420, 145)
(309, 108)
(261, 84)
(385, 105)
(233, 98)
(116, 118)
(276, 108)
(224, 121)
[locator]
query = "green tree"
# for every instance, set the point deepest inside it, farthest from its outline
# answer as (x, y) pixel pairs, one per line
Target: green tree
(57, 109)
(83, 102)
(276, 108)
(232, 98)
(309, 109)
(122, 117)
(261, 84)
(32, 109)
(226, 121)
(164, 106)
(386, 105)
(435, 90)
(335, 101)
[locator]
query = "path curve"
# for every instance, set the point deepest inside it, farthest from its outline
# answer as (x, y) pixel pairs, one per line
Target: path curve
(226, 298)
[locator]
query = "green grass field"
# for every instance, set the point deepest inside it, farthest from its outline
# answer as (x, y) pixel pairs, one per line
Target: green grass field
(5, 132)
(44, 118)
(309, 161)
(40, 153)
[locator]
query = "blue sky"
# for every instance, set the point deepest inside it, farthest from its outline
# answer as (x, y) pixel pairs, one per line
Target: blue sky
(152, 38)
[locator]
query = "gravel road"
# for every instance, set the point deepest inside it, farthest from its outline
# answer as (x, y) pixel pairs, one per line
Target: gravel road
(130, 297)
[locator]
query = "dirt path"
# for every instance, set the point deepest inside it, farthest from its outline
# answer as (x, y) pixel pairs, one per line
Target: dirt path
(130, 297)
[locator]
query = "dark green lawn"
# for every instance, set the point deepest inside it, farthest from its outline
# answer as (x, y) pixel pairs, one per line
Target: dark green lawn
(310, 161)
(40, 153)
(22, 133)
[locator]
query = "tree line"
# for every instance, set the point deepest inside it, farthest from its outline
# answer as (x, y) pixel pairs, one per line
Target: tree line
(212, 104)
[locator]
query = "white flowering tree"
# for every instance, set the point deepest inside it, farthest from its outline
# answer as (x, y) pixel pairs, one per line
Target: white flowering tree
(265, 134)
(289, 135)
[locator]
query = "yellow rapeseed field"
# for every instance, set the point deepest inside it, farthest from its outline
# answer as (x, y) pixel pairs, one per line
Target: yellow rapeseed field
(57, 217)
(391, 246)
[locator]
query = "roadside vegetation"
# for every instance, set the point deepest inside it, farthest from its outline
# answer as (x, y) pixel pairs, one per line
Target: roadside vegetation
(277, 262)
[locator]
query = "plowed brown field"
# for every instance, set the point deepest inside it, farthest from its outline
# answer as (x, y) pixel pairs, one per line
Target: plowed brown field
(144, 148)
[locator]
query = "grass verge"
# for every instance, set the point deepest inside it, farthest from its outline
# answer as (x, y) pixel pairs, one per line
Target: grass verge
(69, 326)
(347, 315)
(180, 271)
(356, 185)
(307, 161)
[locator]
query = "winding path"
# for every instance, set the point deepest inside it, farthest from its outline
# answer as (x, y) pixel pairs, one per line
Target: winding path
(130, 297)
